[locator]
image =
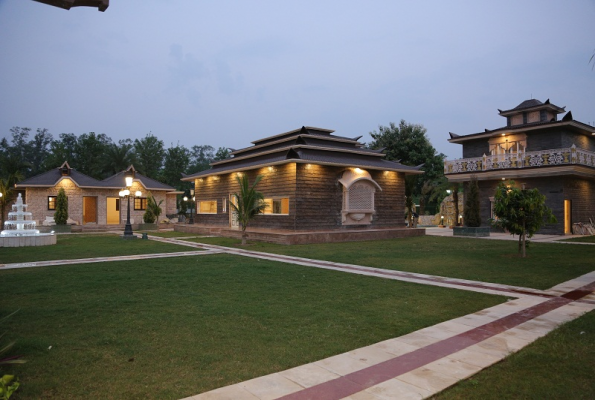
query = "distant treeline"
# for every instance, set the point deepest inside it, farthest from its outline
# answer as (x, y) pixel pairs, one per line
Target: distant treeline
(26, 154)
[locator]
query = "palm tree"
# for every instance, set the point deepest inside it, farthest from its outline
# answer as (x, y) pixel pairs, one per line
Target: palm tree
(250, 203)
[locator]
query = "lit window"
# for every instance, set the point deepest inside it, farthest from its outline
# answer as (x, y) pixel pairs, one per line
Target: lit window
(51, 202)
(207, 207)
(140, 203)
(277, 206)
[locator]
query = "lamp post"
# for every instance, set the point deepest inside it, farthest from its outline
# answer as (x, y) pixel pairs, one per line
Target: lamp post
(129, 177)
(186, 198)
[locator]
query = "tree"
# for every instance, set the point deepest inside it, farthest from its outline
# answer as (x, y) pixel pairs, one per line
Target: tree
(221, 154)
(90, 152)
(250, 203)
(149, 153)
(200, 158)
(176, 162)
(471, 214)
(520, 211)
(408, 144)
(118, 157)
(61, 214)
(38, 151)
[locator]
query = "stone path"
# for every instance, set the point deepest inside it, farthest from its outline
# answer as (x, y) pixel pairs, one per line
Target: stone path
(413, 366)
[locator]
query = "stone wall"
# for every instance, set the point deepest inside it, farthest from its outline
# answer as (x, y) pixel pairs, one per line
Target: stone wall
(556, 189)
(315, 197)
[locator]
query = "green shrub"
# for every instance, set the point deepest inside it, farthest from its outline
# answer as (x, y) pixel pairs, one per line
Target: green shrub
(471, 215)
(61, 214)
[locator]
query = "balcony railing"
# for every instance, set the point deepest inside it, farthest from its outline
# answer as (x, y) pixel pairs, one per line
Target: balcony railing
(529, 159)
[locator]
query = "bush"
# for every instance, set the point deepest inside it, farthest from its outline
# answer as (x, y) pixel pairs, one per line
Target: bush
(153, 210)
(471, 215)
(61, 214)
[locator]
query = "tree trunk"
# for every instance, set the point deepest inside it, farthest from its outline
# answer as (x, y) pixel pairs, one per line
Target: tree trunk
(244, 237)
(524, 253)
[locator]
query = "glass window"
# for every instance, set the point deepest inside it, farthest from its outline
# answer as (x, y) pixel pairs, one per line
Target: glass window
(140, 203)
(277, 206)
(207, 207)
(51, 202)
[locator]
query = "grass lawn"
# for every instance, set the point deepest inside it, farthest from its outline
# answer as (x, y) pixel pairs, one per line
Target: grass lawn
(557, 366)
(84, 246)
(582, 239)
(546, 265)
(166, 329)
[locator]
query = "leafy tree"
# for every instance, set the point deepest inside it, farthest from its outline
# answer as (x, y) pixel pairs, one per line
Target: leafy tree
(61, 214)
(250, 202)
(200, 158)
(118, 157)
(63, 149)
(221, 154)
(521, 212)
(471, 212)
(409, 144)
(176, 162)
(38, 151)
(90, 152)
(149, 153)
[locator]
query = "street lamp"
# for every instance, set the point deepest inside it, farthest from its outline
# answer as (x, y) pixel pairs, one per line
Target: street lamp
(186, 198)
(128, 177)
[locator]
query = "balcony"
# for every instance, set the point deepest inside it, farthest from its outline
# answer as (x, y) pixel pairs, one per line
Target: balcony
(529, 159)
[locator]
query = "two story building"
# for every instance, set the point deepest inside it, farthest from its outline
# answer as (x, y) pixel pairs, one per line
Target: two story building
(535, 149)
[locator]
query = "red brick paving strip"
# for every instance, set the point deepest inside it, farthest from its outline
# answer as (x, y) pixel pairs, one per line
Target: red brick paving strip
(366, 378)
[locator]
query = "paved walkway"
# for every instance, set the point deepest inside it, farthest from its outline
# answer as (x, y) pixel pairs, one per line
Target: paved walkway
(413, 366)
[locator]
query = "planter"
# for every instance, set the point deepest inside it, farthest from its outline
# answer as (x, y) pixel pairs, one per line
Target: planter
(480, 231)
(148, 227)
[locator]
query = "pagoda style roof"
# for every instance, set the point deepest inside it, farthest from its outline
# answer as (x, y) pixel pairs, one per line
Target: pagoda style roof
(305, 145)
(532, 105)
(52, 177)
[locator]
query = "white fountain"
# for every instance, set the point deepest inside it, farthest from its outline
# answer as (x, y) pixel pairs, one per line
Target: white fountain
(19, 229)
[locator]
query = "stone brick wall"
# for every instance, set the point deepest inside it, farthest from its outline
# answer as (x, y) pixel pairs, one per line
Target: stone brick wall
(556, 189)
(315, 197)
(37, 202)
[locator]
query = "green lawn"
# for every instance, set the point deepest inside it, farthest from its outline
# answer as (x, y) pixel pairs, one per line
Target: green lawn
(557, 366)
(84, 246)
(166, 329)
(546, 265)
(582, 239)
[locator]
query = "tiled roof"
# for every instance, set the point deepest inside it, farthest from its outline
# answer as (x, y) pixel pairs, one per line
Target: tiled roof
(532, 104)
(305, 145)
(53, 176)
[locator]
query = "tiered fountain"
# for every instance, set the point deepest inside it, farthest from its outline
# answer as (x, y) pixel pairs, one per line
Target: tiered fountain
(19, 229)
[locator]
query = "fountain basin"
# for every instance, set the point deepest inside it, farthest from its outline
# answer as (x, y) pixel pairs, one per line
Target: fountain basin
(41, 239)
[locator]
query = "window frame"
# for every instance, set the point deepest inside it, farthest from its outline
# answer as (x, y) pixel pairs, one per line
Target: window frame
(50, 198)
(199, 208)
(269, 210)
(142, 200)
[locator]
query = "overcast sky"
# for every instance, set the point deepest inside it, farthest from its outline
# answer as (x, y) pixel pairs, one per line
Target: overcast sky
(226, 73)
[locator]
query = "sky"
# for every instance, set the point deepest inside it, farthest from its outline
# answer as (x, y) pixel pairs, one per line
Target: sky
(226, 73)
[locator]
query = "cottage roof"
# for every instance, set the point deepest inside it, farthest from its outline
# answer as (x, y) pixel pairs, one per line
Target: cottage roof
(53, 176)
(304, 145)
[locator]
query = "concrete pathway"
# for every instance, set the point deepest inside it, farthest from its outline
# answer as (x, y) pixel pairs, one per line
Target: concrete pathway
(414, 366)
(435, 231)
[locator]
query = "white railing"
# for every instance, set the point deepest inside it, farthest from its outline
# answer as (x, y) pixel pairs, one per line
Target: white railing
(529, 159)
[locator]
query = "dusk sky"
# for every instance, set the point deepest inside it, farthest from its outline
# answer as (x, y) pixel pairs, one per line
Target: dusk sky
(226, 73)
